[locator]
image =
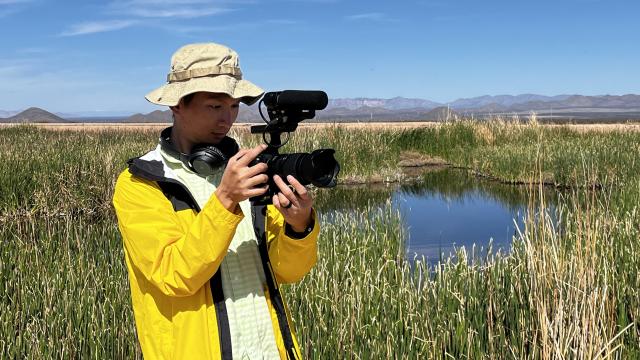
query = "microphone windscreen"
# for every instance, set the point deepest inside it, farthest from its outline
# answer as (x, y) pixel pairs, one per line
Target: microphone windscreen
(303, 99)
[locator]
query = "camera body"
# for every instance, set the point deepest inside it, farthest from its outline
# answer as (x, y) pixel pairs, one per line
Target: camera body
(285, 110)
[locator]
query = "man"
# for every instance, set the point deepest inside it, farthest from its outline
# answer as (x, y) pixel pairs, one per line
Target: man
(202, 285)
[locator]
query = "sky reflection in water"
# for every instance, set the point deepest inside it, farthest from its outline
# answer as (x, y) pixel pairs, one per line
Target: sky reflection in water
(438, 222)
(449, 208)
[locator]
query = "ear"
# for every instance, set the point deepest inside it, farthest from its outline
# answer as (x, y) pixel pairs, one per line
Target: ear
(176, 110)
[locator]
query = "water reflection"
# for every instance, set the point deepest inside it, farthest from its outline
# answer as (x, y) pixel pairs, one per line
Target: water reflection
(447, 209)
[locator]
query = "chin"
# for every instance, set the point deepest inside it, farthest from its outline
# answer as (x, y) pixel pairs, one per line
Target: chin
(215, 138)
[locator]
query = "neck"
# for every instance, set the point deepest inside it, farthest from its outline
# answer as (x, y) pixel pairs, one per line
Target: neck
(179, 141)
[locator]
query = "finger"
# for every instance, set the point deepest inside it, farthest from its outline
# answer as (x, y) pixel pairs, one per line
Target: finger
(276, 202)
(257, 169)
(238, 155)
(300, 189)
(284, 201)
(251, 154)
(256, 191)
(257, 180)
(285, 190)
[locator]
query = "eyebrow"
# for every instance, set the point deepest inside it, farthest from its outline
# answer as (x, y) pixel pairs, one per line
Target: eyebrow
(218, 96)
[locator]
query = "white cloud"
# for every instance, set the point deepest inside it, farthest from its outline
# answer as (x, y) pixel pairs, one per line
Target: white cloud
(140, 11)
(315, 1)
(188, 29)
(367, 16)
(10, 71)
(13, 2)
(97, 26)
(17, 67)
(175, 13)
(163, 2)
(283, 22)
(10, 7)
(236, 26)
(168, 8)
(33, 50)
(37, 82)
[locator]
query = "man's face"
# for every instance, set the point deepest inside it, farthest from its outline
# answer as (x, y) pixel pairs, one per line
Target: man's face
(208, 117)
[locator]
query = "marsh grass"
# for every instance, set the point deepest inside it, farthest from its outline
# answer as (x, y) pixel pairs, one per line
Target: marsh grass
(64, 290)
(560, 293)
(510, 151)
(569, 288)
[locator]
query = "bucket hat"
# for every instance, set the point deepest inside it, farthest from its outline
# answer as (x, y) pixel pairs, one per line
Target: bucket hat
(206, 67)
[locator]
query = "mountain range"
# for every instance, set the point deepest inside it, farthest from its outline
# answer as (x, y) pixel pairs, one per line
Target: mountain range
(34, 115)
(571, 107)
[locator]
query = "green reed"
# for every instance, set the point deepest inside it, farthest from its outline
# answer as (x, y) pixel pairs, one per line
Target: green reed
(564, 291)
(571, 292)
(512, 151)
(64, 290)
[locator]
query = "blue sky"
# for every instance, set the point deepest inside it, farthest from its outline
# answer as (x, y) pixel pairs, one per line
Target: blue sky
(74, 56)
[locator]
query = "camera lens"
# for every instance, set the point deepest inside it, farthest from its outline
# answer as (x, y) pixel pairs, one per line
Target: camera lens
(319, 168)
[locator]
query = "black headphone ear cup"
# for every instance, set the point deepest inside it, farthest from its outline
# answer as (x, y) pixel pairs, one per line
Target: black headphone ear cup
(228, 146)
(205, 160)
(167, 146)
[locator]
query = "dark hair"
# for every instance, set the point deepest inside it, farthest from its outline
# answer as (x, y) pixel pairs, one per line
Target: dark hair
(187, 99)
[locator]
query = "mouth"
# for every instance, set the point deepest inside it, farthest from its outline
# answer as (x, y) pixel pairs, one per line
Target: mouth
(219, 133)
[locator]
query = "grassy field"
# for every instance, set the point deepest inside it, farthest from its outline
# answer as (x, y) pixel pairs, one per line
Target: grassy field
(565, 291)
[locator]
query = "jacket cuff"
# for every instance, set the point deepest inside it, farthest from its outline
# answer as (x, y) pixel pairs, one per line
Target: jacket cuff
(289, 232)
(214, 207)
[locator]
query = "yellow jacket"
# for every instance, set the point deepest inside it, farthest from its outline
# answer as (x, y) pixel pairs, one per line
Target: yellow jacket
(173, 251)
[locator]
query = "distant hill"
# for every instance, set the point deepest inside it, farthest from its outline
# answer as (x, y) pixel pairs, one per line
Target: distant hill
(491, 108)
(157, 116)
(246, 114)
(561, 107)
(580, 101)
(34, 115)
(504, 101)
(441, 113)
(375, 114)
(5, 113)
(396, 103)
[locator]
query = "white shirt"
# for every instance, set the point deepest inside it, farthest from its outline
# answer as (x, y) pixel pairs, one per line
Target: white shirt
(243, 279)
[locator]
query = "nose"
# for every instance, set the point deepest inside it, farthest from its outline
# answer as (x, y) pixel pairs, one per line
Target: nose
(226, 115)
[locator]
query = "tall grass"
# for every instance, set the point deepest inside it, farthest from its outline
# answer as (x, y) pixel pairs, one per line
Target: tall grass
(64, 290)
(568, 289)
(511, 151)
(560, 293)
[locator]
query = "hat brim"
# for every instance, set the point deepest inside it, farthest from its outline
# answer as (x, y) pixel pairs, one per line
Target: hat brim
(171, 93)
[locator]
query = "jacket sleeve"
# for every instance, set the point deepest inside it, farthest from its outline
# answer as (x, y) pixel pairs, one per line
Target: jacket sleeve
(175, 258)
(291, 258)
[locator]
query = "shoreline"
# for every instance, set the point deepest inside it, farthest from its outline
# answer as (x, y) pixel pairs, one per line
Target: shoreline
(350, 125)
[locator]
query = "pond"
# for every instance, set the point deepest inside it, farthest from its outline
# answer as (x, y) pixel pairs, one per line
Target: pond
(446, 209)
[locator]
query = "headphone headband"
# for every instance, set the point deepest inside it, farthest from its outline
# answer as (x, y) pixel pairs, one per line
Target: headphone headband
(167, 145)
(204, 159)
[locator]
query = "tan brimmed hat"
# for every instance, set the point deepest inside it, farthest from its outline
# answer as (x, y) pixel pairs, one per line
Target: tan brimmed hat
(204, 67)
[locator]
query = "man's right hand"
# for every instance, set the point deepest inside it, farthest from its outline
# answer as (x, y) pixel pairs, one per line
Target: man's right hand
(241, 181)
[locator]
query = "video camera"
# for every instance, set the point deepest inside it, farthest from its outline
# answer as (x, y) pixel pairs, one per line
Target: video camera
(285, 110)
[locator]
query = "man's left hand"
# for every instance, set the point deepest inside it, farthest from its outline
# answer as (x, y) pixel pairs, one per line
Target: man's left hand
(294, 203)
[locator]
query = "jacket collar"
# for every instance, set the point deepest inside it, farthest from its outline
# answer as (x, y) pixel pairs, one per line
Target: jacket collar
(152, 166)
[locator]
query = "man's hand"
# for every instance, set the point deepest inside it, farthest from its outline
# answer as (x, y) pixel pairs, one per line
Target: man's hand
(296, 205)
(241, 181)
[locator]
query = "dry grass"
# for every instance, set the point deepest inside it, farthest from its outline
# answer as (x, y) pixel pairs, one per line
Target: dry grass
(160, 126)
(355, 125)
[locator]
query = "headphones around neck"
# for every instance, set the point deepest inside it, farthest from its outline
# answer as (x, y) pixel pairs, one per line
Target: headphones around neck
(204, 159)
